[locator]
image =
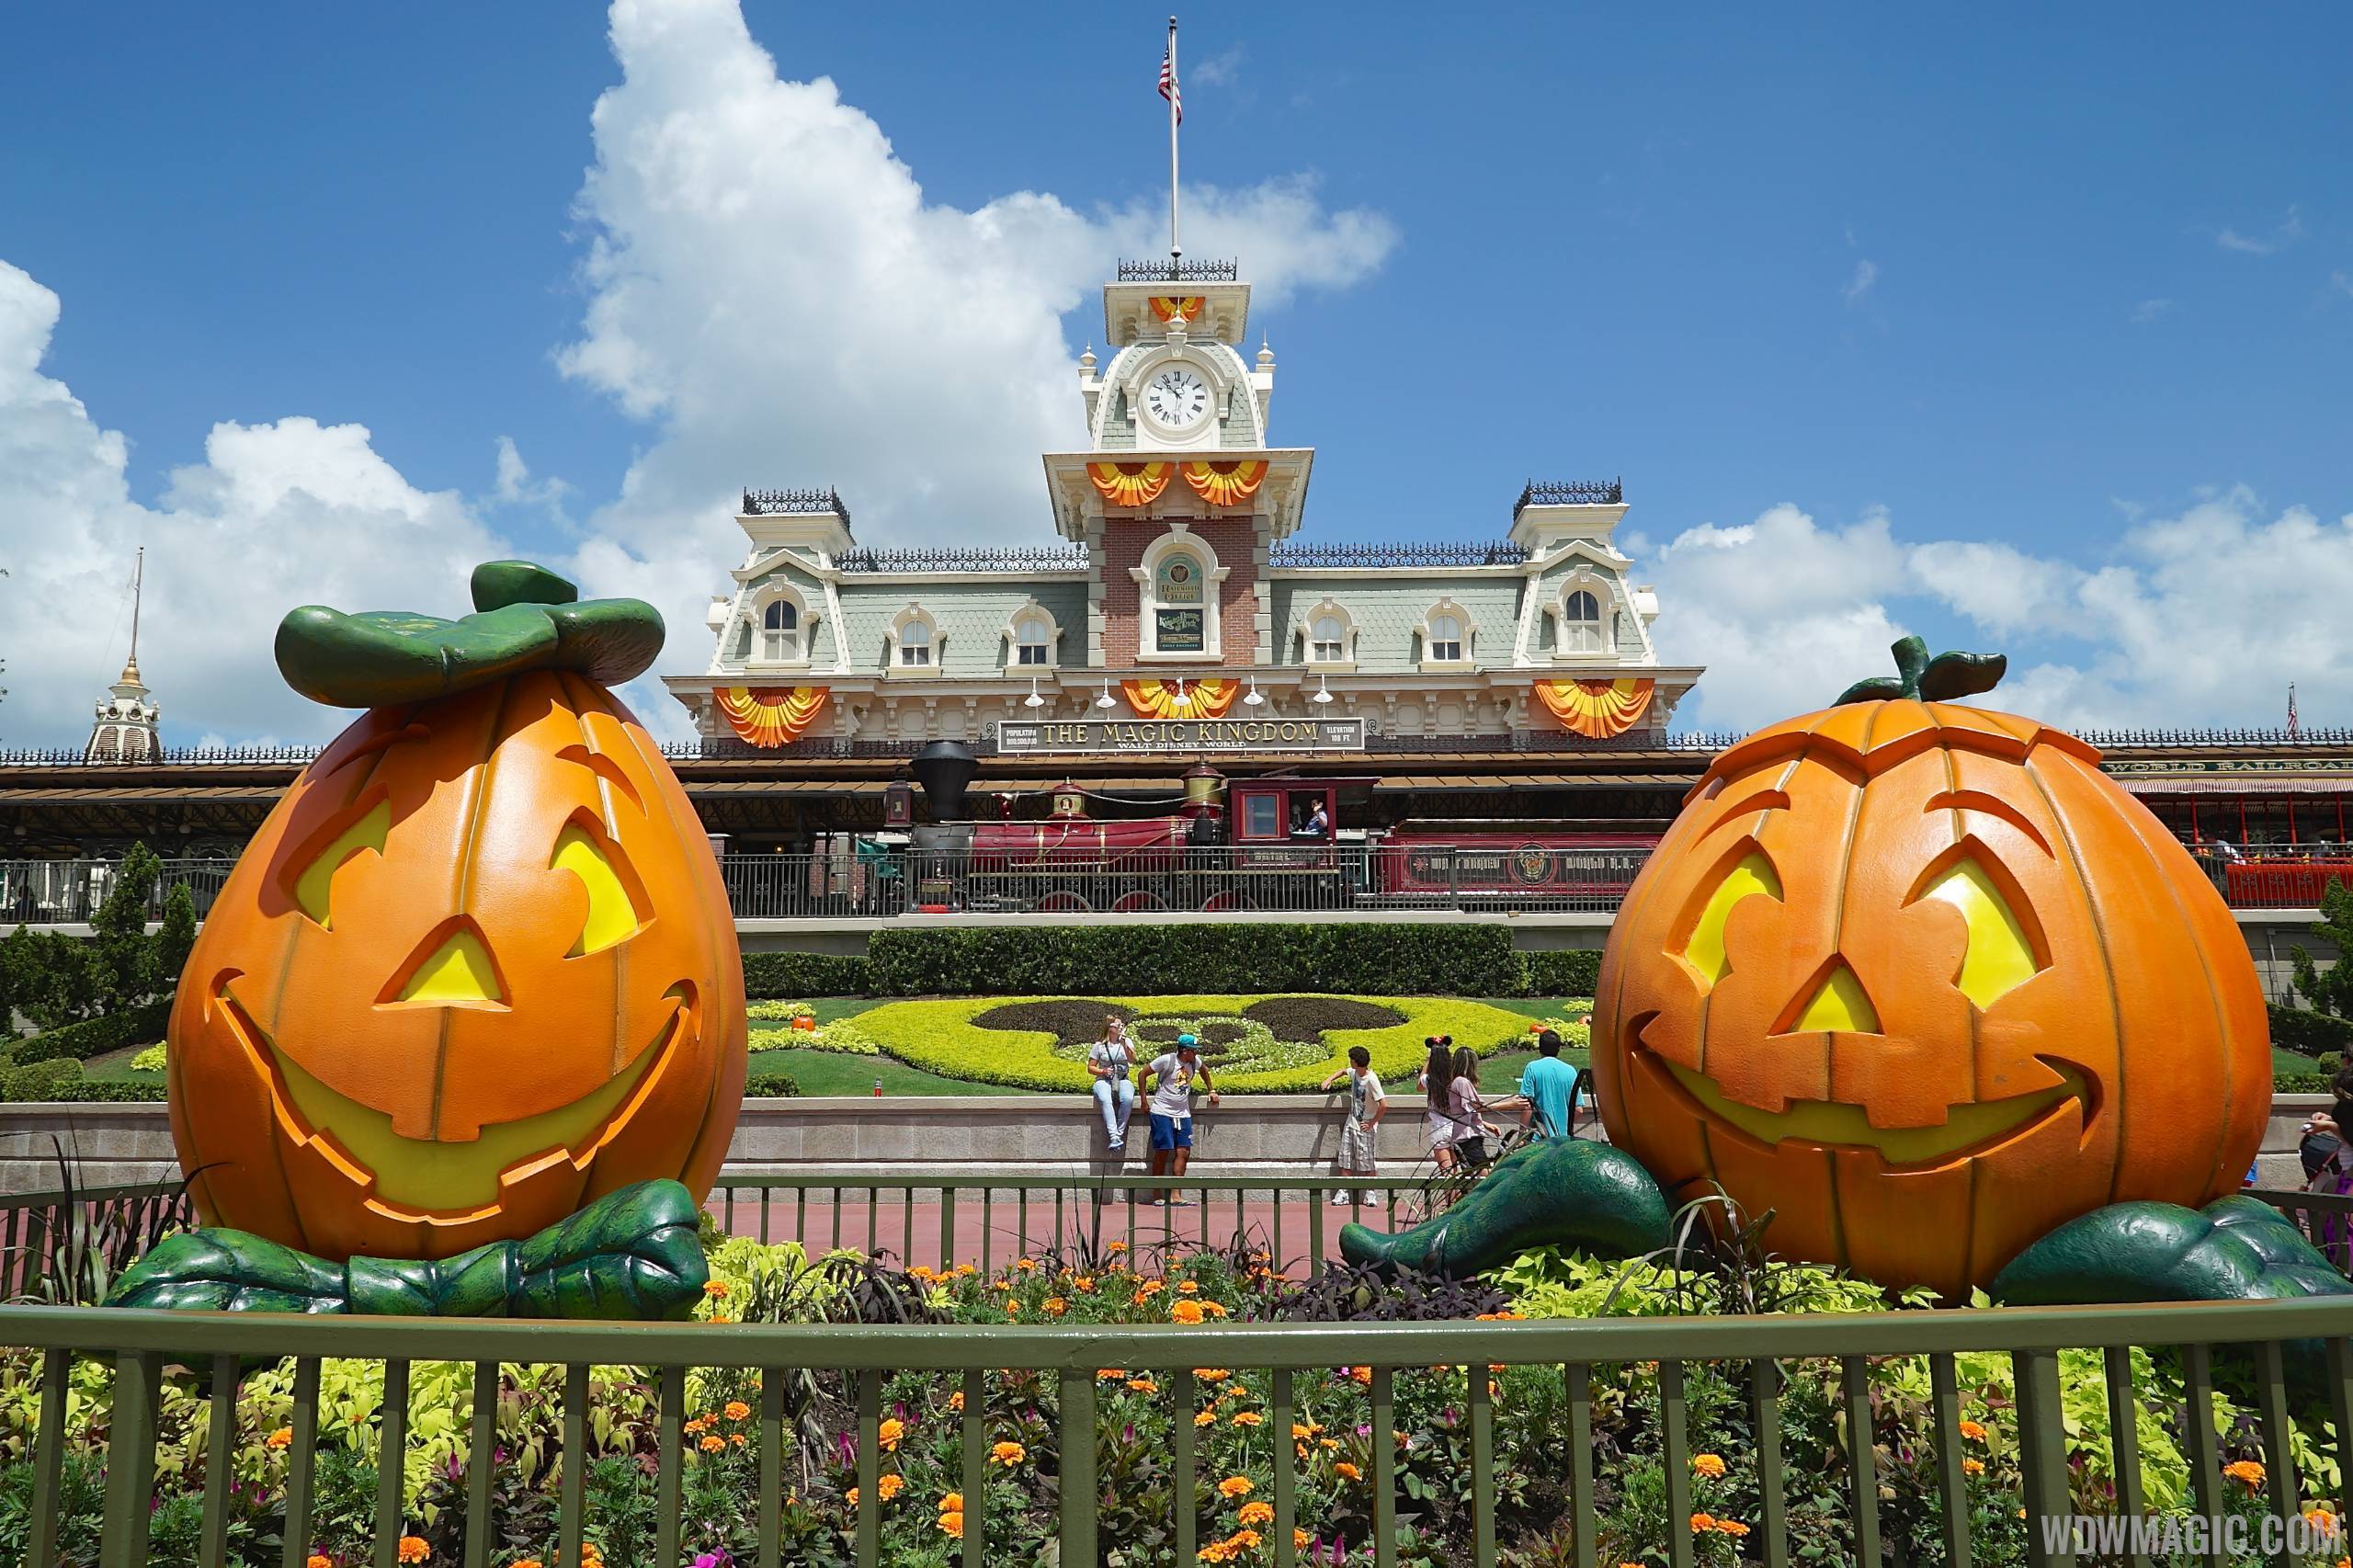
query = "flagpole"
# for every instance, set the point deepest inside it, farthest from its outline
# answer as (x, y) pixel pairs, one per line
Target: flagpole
(1176, 251)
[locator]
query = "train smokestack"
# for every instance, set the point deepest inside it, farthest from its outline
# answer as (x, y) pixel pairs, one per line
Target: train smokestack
(944, 768)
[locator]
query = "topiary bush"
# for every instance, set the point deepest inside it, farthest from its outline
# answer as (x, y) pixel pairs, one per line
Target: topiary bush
(2309, 1034)
(1569, 971)
(96, 1036)
(1462, 960)
(36, 1080)
(804, 974)
(772, 1086)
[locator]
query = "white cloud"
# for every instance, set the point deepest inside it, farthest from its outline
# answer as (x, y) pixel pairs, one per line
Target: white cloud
(1220, 70)
(1866, 274)
(2203, 616)
(2341, 282)
(2148, 311)
(2287, 232)
(277, 515)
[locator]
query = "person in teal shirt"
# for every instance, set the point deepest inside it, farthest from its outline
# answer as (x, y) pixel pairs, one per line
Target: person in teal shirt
(1548, 1087)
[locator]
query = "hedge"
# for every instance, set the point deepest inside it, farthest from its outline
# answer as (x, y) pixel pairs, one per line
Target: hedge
(1565, 971)
(94, 1037)
(940, 1037)
(804, 974)
(2308, 1033)
(772, 1086)
(1148, 960)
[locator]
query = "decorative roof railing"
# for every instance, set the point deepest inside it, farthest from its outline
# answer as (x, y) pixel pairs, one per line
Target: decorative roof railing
(1294, 555)
(778, 502)
(1569, 492)
(976, 558)
(709, 748)
(1181, 272)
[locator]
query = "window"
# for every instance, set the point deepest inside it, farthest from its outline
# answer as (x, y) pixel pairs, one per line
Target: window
(1446, 639)
(1030, 642)
(1262, 816)
(914, 644)
(1177, 605)
(1581, 623)
(1328, 642)
(780, 631)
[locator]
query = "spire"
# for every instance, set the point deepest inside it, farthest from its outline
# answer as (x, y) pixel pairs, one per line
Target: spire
(125, 727)
(138, 586)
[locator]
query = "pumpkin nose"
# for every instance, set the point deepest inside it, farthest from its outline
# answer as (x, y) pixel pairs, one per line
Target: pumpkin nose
(454, 970)
(1839, 1003)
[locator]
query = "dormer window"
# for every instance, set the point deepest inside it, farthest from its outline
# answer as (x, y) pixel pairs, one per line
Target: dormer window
(914, 644)
(781, 632)
(1445, 639)
(1030, 642)
(1329, 641)
(1581, 624)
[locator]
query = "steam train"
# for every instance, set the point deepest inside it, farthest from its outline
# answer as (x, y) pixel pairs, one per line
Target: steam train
(1264, 843)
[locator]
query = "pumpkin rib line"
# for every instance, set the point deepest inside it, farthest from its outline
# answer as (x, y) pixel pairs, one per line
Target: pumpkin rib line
(2106, 960)
(477, 804)
(1976, 1017)
(2213, 996)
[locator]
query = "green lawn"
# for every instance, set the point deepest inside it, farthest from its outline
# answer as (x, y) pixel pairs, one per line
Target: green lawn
(833, 1073)
(1541, 1007)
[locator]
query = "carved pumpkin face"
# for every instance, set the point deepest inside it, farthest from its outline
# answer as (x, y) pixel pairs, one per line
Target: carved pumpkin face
(476, 970)
(1924, 983)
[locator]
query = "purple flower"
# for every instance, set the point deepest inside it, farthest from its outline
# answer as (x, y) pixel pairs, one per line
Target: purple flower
(714, 1560)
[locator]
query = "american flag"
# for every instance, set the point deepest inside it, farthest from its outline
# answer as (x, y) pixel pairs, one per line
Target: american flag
(1169, 87)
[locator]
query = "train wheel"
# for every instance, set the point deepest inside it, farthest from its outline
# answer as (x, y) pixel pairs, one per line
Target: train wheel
(1224, 901)
(1138, 902)
(1064, 902)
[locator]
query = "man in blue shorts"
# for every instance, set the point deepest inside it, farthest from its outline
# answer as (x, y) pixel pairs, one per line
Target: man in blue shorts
(1169, 1080)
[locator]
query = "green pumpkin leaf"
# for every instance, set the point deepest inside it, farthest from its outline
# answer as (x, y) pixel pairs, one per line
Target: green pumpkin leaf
(1559, 1191)
(216, 1271)
(527, 618)
(1953, 676)
(1878, 689)
(633, 1254)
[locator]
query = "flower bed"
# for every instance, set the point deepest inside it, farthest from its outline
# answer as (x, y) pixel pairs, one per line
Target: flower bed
(1041, 1044)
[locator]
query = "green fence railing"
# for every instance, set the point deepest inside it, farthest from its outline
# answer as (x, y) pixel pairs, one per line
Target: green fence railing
(138, 1345)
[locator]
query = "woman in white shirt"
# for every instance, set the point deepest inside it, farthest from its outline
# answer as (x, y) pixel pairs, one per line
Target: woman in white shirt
(1109, 1061)
(1436, 1080)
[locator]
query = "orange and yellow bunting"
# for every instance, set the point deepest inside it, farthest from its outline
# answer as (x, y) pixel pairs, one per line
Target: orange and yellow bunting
(1222, 484)
(1599, 709)
(1169, 307)
(1203, 699)
(1129, 484)
(769, 716)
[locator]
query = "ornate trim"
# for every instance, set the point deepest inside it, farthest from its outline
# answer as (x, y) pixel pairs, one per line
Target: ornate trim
(1157, 698)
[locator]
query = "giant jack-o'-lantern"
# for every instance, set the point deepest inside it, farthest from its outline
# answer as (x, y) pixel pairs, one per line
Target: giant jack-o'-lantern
(1922, 981)
(477, 968)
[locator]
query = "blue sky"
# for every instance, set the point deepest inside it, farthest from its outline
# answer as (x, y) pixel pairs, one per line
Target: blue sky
(2015, 331)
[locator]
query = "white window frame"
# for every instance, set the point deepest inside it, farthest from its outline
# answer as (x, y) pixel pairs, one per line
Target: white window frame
(1146, 574)
(1328, 609)
(756, 652)
(895, 641)
(1032, 614)
(1604, 600)
(1466, 644)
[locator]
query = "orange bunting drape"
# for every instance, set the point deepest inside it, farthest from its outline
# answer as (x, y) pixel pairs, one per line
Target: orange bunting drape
(1169, 307)
(1222, 484)
(1157, 698)
(1599, 708)
(769, 716)
(1129, 484)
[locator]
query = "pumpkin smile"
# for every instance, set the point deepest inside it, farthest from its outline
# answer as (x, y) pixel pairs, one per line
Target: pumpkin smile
(429, 1179)
(1966, 1130)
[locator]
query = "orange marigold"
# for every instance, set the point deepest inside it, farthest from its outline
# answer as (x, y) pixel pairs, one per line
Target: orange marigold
(1109, 1374)
(1185, 1313)
(1007, 1454)
(1187, 1287)
(715, 1288)
(1257, 1514)
(1144, 1385)
(1236, 1486)
(1973, 1431)
(1707, 1464)
(2246, 1471)
(737, 1410)
(1972, 1466)
(1213, 1374)
(1348, 1471)
(281, 1438)
(1247, 1418)
(952, 1524)
(1205, 1418)
(889, 1485)
(1730, 1528)
(953, 1503)
(321, 1560)
(1703, 1521)
(712, 1445)
(1214, 1308)
(414, 1549)
(890, 1432)
(1055, 1306)
(956, 1401)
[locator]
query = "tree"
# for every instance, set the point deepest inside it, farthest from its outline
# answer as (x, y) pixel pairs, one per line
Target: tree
(2331, 990)
(169, 949)
(123, 955)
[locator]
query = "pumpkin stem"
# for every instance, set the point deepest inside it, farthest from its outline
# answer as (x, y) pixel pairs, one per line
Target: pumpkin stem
(1921, 679)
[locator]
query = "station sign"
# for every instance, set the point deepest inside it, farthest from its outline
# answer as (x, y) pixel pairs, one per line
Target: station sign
(1175, 737)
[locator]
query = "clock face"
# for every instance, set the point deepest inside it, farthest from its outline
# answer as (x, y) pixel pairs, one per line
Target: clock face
(1176, 397)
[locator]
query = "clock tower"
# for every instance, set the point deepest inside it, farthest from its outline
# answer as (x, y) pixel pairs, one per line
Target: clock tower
(1179, 495)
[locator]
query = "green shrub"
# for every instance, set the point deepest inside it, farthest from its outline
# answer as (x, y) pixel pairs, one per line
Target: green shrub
(152, 1060)
(2299, 1083)
(35, 1081)
(804, 974)
(2309, 1033)
(941, 1037)
(1568, 971)
(96, 1036)
(1462, 960)
(842, 1036)
(104, 1090)
(772, 1086)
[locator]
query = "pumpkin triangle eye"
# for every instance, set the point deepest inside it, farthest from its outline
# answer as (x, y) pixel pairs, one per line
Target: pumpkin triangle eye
(316, 881)
(2000, 957)
(612, 913)
(457, 972)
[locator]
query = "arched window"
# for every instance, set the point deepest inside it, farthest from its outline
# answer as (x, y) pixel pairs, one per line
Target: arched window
(780, 631)
(1327, 641)
(1581, 623)
(1176, 604)
(1031, 643)
(914, 644)
(1445, 639)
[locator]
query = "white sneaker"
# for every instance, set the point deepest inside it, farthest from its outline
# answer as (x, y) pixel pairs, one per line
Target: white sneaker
(1339, 1200)
(1119, 1142)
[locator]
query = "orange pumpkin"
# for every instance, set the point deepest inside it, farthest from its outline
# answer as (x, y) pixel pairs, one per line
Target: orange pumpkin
(476, 970)
(1924, 983)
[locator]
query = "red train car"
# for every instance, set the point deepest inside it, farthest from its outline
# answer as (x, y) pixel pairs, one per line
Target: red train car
(1503, 861)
